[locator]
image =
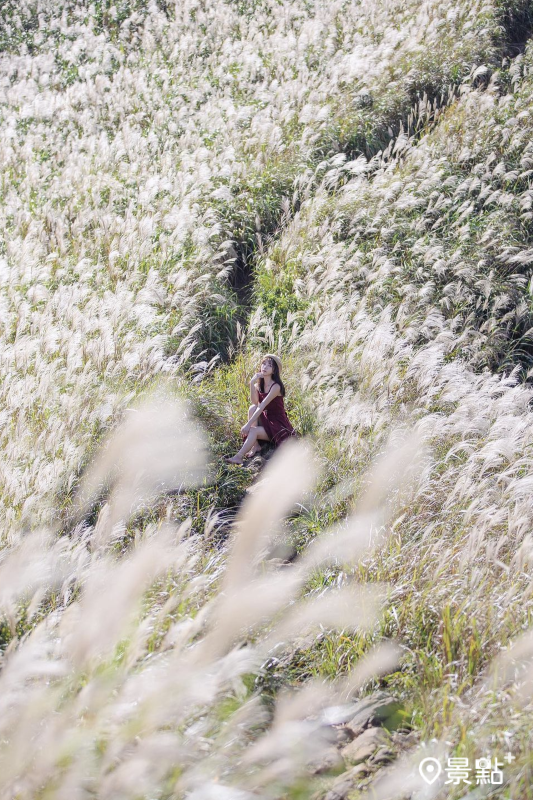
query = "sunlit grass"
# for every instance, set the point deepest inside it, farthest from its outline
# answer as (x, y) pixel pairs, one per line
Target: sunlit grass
(368, 171)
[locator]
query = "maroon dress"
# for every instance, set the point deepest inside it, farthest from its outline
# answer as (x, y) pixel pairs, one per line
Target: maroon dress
(274, 420)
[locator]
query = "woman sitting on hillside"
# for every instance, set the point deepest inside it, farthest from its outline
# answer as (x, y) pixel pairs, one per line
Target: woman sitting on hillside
(267, 418)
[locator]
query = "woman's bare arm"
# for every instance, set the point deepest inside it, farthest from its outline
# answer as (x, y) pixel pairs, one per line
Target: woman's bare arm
(274, 391)
(254, 395)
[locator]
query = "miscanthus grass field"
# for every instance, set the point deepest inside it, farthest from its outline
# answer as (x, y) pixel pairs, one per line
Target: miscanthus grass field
(185, 186)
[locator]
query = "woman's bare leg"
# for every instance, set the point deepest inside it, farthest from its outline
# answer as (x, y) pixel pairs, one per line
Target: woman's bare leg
(255, 434)
(257, 447)
(254, 451)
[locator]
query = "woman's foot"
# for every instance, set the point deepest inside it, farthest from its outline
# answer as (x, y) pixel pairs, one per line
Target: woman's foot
(233, 460)
(255, 449)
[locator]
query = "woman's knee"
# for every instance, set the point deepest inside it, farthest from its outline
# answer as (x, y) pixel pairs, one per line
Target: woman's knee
(252, 409)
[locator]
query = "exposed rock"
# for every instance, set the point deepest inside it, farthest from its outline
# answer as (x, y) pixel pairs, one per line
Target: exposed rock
(339, 715)
(405, 739)
(383, 756)
(346, 782)
(373, 710)
(343, 736)
(365, 745)
(329, 760)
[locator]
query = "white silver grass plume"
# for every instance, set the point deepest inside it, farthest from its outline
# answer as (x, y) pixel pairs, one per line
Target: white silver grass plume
(88, 698)
(158, 448)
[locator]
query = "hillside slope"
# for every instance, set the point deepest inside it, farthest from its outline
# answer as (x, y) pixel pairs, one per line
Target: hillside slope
(182, 187)
(413, 312)
(146, 151)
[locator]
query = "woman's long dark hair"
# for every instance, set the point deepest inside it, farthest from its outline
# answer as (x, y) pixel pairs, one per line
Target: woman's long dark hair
(275, 378)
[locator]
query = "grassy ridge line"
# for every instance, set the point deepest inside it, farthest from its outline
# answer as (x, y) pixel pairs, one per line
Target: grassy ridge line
(415, 271)
(442, 237)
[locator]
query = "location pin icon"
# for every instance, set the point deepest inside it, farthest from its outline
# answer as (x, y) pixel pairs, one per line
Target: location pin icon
(430, 769)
